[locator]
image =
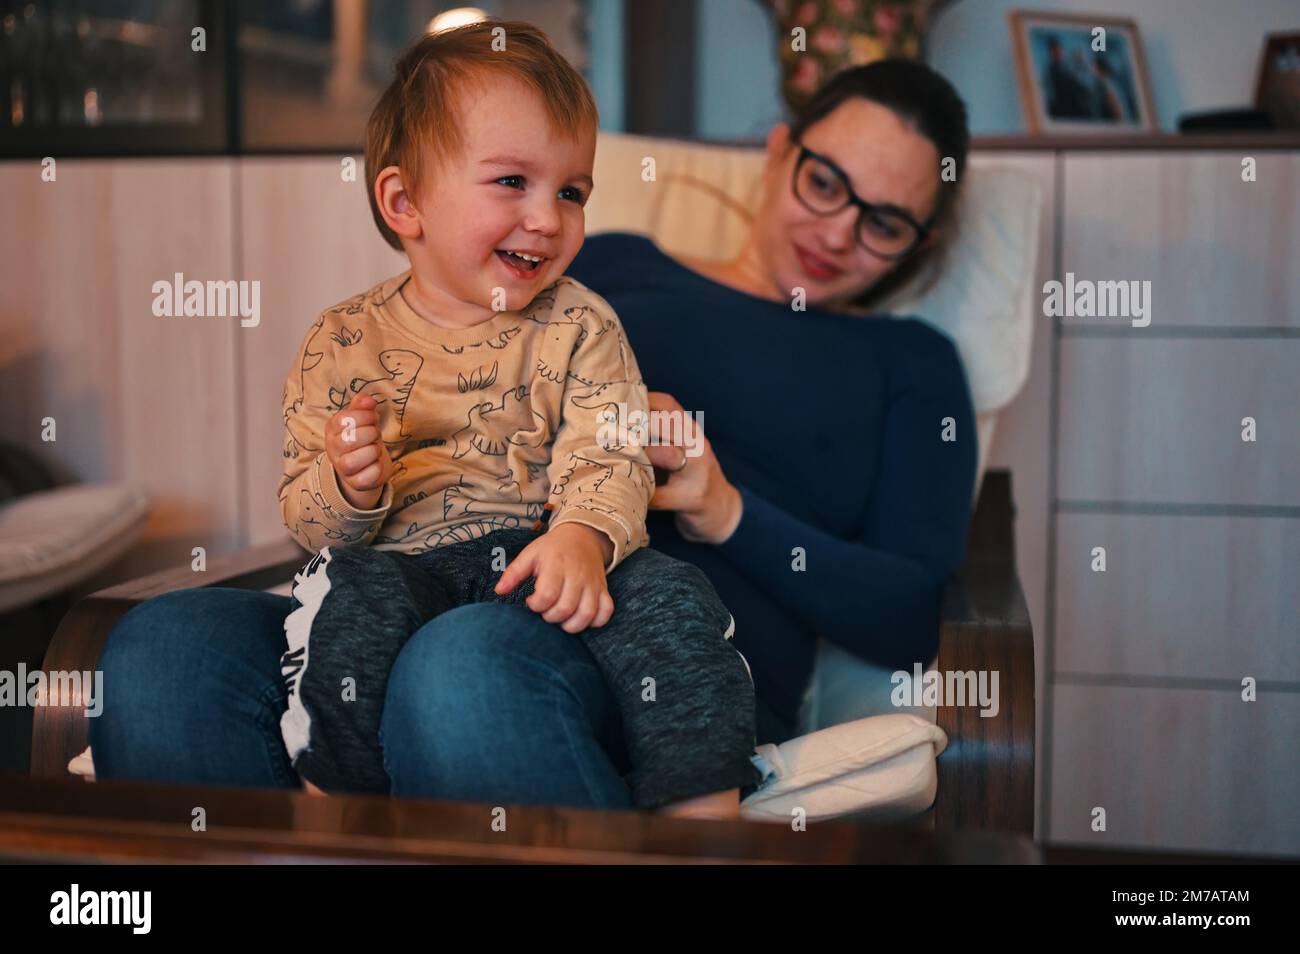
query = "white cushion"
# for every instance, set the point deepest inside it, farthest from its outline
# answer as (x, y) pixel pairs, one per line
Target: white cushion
(83, 765)
(698, 204)
(53, 539)
(881, 768)
(984, 300)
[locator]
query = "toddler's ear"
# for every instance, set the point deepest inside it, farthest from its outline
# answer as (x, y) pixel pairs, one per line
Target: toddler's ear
(396, 204)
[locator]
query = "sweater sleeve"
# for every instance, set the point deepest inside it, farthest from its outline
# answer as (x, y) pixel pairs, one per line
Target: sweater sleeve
(600, 474)
(311, 501)
(878, 596)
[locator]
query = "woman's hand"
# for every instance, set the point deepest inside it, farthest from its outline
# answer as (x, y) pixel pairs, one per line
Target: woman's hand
(708, 506)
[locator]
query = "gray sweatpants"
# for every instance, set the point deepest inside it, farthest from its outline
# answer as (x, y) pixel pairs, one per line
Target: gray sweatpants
(355, 608)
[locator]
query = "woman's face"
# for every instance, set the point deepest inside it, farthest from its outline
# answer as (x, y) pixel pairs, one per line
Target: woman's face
(886, 162)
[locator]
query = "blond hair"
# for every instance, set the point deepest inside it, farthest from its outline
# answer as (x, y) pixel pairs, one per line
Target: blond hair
(416, 115)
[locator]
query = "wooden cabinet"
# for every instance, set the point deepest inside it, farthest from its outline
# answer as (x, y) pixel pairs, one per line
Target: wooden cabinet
(1201, 529)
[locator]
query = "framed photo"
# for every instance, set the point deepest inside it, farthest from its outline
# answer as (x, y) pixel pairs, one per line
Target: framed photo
(96, 79)
(1277, 91)
(1081, 73)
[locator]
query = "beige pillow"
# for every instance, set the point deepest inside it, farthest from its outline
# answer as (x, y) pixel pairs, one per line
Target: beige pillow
(881, 768)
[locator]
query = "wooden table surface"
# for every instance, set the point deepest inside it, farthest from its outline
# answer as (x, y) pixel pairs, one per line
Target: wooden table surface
(116, 821)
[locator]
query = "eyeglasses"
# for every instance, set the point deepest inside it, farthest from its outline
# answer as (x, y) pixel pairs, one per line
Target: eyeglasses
(823, 189)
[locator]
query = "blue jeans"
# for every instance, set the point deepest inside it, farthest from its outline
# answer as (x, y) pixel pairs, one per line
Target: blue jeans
(486, 703)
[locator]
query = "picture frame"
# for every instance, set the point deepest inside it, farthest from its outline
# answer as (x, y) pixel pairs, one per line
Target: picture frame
(81, 81)
(1277, 85)
(1070, 86)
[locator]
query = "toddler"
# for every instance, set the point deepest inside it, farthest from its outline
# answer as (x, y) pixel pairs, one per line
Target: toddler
(447, 438)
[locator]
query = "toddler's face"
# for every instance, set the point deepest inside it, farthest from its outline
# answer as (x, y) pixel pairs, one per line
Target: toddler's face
(518, 187)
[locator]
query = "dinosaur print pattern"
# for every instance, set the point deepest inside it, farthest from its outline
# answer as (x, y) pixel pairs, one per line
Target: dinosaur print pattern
(499, 341)
(487, 428)
(401, 367)
(596, 470)
(492, 427)
(478, 379)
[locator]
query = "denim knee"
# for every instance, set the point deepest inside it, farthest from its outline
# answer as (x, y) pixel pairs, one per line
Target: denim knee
(490, 702)
(149, 649)
(476, 660)
(192, 689)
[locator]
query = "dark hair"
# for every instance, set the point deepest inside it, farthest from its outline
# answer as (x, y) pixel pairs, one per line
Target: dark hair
(926, 101)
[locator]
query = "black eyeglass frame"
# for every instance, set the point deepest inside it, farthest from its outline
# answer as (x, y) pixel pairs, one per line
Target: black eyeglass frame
(864, 207)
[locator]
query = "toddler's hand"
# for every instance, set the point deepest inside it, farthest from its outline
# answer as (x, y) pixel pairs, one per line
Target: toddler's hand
(568, 563)
(354, 446)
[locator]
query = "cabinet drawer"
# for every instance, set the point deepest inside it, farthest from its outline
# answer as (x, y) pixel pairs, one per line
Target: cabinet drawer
(1189, 596)
(1176, 769)
(1159, 419)
(1218, 251)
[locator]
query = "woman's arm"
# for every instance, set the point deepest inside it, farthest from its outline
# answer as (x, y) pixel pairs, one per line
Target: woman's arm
(877, 596)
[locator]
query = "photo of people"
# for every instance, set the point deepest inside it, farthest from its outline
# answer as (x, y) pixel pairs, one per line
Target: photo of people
(1074, 78)
(1278, 88)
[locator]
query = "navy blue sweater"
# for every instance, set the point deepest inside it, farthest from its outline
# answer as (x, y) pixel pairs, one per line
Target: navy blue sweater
(831, 427)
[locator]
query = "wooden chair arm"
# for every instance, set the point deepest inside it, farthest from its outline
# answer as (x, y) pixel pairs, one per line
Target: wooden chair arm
(253, 569)
(986, 775)
(59, 731)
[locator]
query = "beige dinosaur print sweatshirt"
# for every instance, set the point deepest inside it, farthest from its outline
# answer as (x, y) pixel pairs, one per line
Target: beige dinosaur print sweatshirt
(489, 427)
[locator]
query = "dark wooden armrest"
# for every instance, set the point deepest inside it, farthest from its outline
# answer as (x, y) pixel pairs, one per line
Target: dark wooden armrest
(986, 775)
(59, 731)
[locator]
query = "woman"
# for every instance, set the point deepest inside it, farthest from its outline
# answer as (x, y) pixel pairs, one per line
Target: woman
(832, 497)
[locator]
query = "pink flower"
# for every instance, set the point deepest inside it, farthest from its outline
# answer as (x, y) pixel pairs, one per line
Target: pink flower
(847, 8)
(805, 75)
(807, 13)
(828, 39)
(888, 20)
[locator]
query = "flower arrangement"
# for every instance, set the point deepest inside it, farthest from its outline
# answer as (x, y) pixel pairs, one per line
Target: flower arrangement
(838, 34)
